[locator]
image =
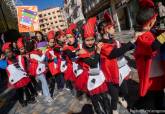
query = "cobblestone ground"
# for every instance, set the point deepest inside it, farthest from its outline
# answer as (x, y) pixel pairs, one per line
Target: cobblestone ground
(60, 106)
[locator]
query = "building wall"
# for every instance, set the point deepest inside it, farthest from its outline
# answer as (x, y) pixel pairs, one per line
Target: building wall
(94, 7)
(122, 11)
(73, 11)
(52, 19)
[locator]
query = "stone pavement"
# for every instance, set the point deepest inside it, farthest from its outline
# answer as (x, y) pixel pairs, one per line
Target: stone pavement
(60, 106)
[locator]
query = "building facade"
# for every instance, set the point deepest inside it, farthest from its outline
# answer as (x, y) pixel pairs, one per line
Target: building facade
(94, 7)
(52, 19)
(122, 11)
(73, 11)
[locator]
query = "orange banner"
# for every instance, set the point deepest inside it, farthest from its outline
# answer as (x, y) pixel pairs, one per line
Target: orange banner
(27, 18)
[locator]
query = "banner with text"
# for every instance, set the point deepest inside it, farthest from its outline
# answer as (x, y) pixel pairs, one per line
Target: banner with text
(27, 18)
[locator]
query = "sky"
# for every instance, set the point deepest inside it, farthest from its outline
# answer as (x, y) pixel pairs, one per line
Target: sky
(43, 4)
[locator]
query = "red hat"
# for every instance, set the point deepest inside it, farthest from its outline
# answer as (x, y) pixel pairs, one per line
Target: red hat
(20, 43)
(108, 18)
(89, 27)
(146, 3)
(71, 28)
(51, 35)
(6, 45)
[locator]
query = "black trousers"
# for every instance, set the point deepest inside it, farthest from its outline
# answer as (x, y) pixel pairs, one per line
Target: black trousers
(153, 100)
(115, 91)
(101, 104)
(69, 84)
(35, 85)
(123, 89)
(27, 91)
(59, 79)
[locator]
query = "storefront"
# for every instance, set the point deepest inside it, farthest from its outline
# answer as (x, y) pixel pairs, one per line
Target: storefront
(126, 11)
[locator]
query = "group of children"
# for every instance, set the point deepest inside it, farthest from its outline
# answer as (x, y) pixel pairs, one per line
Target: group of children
(97, 69)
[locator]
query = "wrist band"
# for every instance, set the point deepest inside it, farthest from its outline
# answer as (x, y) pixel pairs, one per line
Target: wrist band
(161, 39)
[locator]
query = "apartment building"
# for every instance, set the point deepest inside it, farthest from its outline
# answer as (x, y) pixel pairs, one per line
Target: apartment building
(52, 19)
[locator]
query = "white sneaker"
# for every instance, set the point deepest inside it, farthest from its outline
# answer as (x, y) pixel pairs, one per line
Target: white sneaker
(123, 102)
(49, 100)
(39, 93)
(115, 112)
(67, 89)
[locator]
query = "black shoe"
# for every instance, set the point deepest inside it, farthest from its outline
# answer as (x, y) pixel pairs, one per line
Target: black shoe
(24, 104)
(31, 101)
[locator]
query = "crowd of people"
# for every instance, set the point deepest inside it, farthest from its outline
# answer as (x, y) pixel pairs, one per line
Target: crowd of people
(96, 68)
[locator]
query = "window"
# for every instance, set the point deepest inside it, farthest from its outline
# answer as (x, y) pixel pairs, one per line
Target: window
(58, 11)
(48, 28)
(42, 25)
(47, 23)
(40, 15)
(61, 25)
(54, 17)
(41, 20)
(50, 18)
(61, 21)
(55, 21)
(48, 13)
(56, 26)
(59, 16)
(53, 12)
(52, 23)
(43, 30)
(44, 14)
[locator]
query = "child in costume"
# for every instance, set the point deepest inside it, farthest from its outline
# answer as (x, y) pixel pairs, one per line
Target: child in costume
(18, 77)
(69, 54)
(92, 80)
(37, 68)
(53, 59)
(58, 76)
(118, 89)
(147, 57)
(24, 62)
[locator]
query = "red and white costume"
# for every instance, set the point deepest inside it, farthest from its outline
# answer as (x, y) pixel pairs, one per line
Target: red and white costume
(17, 76)
(151, 74)
(37, 65)
(53, 67)
(51, 54)
(69, 73)
(91, 80)
(109, 66)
